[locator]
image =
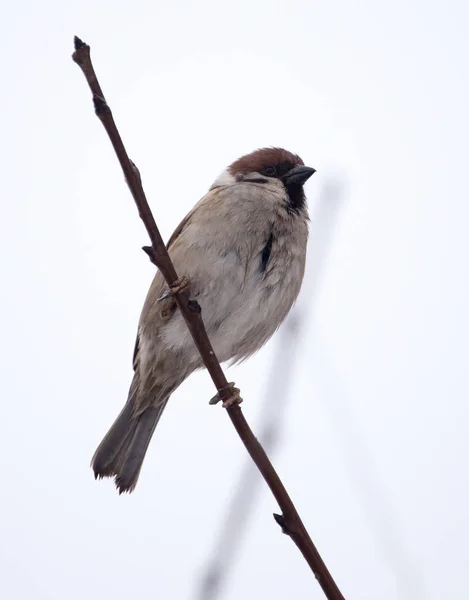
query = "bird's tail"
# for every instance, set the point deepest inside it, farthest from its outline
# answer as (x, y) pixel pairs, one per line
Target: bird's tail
(123, 448)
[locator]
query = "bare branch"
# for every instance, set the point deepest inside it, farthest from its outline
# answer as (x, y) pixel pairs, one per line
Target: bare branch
(289, 519)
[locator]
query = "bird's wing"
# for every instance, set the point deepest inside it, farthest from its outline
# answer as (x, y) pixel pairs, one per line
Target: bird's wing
(187, 219)
(164, 309)
(180, 228)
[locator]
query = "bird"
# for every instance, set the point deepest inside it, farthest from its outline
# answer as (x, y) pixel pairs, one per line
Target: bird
(242, 252)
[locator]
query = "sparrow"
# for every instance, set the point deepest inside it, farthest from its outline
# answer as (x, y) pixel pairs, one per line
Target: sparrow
(242, 250)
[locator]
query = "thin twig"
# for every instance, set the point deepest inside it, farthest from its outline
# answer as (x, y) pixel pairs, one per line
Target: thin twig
(289, 520)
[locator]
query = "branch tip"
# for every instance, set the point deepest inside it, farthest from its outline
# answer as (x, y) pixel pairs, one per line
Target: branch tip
(78, 43)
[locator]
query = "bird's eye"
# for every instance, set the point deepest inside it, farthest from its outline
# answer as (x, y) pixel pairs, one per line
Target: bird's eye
(270, 171)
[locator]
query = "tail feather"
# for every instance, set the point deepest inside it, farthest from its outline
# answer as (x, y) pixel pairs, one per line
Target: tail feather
(108, 452)
(129, 468)
(123, 448)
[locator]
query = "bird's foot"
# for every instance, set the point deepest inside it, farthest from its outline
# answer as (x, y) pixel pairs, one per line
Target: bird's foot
(233, 400)
(176, 287)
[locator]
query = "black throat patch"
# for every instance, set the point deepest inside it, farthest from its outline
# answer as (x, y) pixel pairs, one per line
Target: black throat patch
(296, 198)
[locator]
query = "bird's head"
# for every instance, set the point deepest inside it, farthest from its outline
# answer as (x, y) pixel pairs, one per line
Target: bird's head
(271, 167)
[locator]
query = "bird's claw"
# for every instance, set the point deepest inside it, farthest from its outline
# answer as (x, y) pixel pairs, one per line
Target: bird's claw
(176, 287)
(233, 400)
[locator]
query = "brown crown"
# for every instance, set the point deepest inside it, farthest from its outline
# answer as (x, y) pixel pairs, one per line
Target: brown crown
(258, 160)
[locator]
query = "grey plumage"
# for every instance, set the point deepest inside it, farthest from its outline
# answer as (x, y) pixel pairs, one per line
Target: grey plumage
(242, 248)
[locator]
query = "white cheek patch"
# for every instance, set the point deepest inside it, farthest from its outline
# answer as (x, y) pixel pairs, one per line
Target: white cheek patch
(225, 178)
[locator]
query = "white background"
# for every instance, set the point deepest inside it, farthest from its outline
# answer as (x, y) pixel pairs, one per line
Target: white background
(374, 449)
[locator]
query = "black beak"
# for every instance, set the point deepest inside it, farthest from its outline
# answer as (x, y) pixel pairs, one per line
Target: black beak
(298, 175)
